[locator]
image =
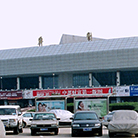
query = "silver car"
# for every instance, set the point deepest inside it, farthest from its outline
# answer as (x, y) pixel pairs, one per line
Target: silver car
(44, 122)
(123, 121)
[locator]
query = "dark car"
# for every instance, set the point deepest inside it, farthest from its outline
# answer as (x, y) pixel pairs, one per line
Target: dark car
(86, 122)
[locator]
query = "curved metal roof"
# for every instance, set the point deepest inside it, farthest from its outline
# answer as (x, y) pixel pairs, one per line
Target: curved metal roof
(70, 48)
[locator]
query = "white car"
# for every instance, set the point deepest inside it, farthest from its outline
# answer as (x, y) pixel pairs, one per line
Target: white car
(123, 121)
(63, 115)
(2, 130)
(11, 117)
(27, 116)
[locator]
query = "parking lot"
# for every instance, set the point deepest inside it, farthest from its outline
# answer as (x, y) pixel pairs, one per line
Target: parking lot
(63, 132)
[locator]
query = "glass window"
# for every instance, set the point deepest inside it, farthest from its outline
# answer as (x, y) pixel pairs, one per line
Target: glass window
(29, 82)
(128, 77)
(50, 82)
(7, 111)
(27, 115)
(81, 80)
(86, 116)
(8, 83)
(104, 78)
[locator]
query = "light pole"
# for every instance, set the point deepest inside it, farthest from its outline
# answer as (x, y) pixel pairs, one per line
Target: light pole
(1, 83)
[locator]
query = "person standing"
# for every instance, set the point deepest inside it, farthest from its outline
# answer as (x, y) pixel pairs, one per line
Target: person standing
(40, 41)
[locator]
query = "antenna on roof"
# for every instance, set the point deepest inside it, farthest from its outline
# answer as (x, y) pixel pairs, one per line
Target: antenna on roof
(89, 36)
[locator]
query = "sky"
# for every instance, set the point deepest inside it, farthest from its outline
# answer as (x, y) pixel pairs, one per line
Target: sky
(22, 22)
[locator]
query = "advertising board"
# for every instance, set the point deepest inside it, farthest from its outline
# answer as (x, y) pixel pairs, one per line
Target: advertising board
(11, 95)
(121, 91)
(97, 105)
(46, 105)
(28, 94)
(94, 92)
(133, 90)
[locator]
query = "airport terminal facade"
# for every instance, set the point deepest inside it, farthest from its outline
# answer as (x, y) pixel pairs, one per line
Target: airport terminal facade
(74, 63)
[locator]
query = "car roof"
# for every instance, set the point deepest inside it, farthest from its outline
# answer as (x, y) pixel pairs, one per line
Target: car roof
(44, 112)
(58, 110)
(9, 106)
(125, 111)
(85, 112)
(28, 112)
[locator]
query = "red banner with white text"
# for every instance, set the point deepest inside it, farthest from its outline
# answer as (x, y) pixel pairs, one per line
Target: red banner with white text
(94, 92)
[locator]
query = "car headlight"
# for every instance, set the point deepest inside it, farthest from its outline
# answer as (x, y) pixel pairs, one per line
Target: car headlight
(33, 125)
(76, 125)
(98, 124)
(12, 120)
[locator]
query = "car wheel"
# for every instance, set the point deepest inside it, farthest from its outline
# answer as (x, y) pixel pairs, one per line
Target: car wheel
(111, 134)
(136, 135)
(73, 134)
(21, 130)
(33, 132)
(16, 130)
(56, 131)
(24, 124)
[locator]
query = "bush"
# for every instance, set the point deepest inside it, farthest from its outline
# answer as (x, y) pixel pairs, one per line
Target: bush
(31, 110)
(124, 106)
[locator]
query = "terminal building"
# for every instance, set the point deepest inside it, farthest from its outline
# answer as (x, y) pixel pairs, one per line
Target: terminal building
(74, 63)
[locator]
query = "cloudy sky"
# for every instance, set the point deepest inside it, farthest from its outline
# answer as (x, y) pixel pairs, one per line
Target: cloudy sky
(24, 21)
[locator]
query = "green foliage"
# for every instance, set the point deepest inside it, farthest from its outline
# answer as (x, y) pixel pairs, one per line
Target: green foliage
(32, 110)
(70, 104)
(124, 105)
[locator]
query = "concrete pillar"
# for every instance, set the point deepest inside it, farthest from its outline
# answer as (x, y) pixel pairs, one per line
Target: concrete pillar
(40, 82)
(118, 78)
(18, 83)
(90, 79)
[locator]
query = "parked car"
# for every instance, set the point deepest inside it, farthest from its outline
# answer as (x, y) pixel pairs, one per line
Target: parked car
(63, 115)
(26, 116)
(107, 118)
(44, 122)
(123, 121)
(11, 117)
(2, 130)
(86, 122)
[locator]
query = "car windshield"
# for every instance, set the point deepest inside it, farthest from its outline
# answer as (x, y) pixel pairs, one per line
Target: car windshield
(7, 111)
(85, 116)
(28, 115)
(44, 116)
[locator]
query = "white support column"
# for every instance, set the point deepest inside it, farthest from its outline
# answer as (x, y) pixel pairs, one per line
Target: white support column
(40, 82)
(117, 78)
(90, 79)
(18, 83)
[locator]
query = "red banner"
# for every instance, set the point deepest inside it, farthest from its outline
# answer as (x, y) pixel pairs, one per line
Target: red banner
(84, 91)
(11, 95)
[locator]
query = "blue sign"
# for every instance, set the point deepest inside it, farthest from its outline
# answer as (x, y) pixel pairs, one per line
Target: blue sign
(133, 90)
(45, 106)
